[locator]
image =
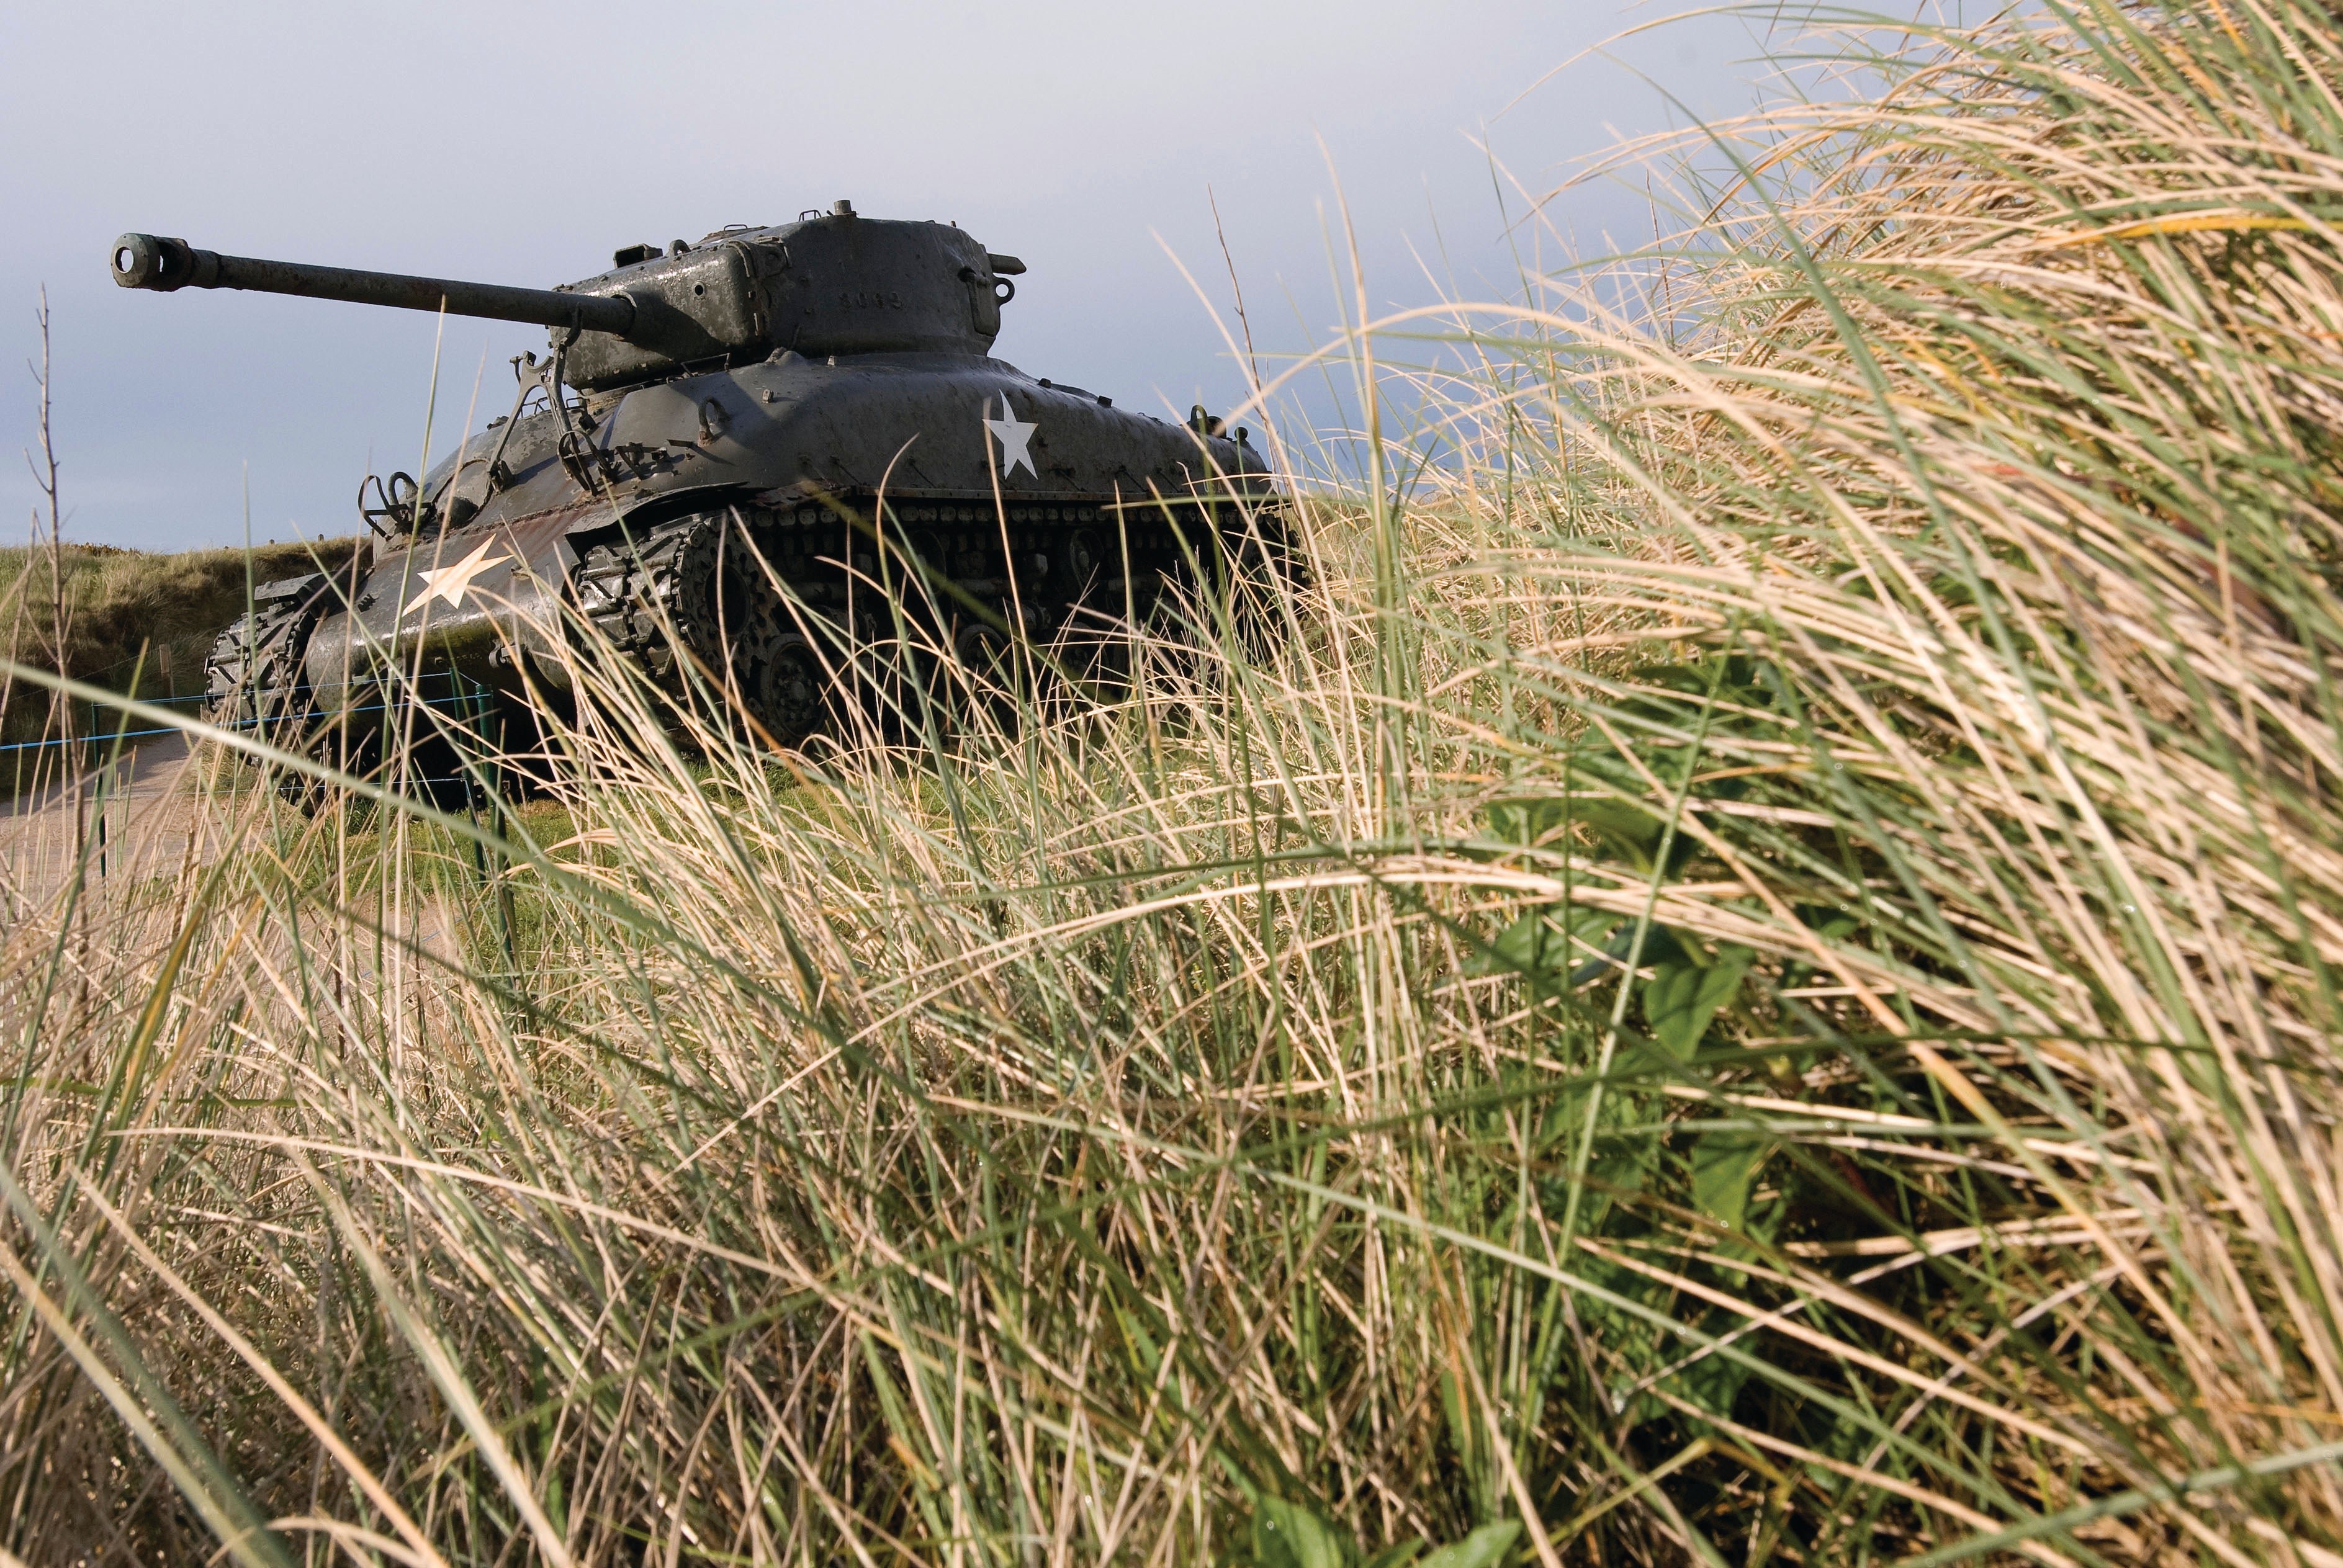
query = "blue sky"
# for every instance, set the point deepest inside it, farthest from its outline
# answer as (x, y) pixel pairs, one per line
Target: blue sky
(521, 143)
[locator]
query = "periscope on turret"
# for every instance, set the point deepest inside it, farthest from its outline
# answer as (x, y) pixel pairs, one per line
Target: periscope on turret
(714, 413)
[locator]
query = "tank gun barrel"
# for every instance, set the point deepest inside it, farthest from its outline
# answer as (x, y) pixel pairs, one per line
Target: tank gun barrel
(151, 262)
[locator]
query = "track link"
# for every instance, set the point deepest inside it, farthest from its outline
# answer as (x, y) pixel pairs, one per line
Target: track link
(253, 673)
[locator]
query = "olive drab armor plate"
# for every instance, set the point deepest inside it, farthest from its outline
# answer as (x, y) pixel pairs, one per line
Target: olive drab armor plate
(705, 404)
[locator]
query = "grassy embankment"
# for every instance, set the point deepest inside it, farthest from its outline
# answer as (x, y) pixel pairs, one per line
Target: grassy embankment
(129, 615)
(1755, 983)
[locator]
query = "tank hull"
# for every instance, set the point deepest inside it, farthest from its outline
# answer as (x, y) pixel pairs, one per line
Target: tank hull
(1007, 504)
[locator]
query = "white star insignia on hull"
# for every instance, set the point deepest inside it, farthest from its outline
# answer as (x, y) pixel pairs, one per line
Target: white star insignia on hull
(450, 583)
(1014, 434)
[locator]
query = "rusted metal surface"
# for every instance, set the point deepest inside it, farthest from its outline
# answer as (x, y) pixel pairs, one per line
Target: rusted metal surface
(450, 602)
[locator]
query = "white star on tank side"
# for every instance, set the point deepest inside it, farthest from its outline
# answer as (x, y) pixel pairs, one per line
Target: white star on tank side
(1014, 434)
(450, 583)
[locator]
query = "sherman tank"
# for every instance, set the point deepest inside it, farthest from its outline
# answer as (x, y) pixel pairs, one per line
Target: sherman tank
(745, 456)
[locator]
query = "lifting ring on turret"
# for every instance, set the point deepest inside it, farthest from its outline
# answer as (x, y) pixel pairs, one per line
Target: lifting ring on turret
(1003, 291)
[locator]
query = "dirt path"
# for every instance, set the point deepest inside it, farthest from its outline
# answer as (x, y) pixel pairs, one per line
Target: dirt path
(141, 816)
(147, 817)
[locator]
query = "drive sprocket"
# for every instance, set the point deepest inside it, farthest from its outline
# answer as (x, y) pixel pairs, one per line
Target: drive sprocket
(255, 675)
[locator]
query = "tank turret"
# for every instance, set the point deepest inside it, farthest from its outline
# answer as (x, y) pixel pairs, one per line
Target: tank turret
(828, 284)
(796, 402)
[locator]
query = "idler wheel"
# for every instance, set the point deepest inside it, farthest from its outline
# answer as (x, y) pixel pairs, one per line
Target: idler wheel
(688, 577)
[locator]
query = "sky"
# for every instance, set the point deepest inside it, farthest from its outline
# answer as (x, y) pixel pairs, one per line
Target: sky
(522, 143)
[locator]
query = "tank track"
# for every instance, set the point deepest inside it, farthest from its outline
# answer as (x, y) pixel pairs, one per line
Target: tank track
(255, 675)
(1053, 566)
(630, 591)
(681, 575)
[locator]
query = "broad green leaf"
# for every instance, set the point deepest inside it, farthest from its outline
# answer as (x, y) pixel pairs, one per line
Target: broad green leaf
(1526, 944)
(1288, 1535)
(1684, 995)
(1540, 940)
(1711, 1382)
(1396, 1556)
(1723, 1166)
(1526, 823)
(1629, 831)
(1484, 1547)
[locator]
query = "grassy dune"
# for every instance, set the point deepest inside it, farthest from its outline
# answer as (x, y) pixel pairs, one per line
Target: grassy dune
(119, 605)
(1751, 979)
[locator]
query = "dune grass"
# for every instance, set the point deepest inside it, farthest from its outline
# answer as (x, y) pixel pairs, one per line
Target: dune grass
(1751, 979)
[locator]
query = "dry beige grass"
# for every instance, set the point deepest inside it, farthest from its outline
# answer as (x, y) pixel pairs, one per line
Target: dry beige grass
(1753, 984)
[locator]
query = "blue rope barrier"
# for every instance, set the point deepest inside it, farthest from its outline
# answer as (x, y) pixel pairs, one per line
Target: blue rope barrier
(461, 699)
